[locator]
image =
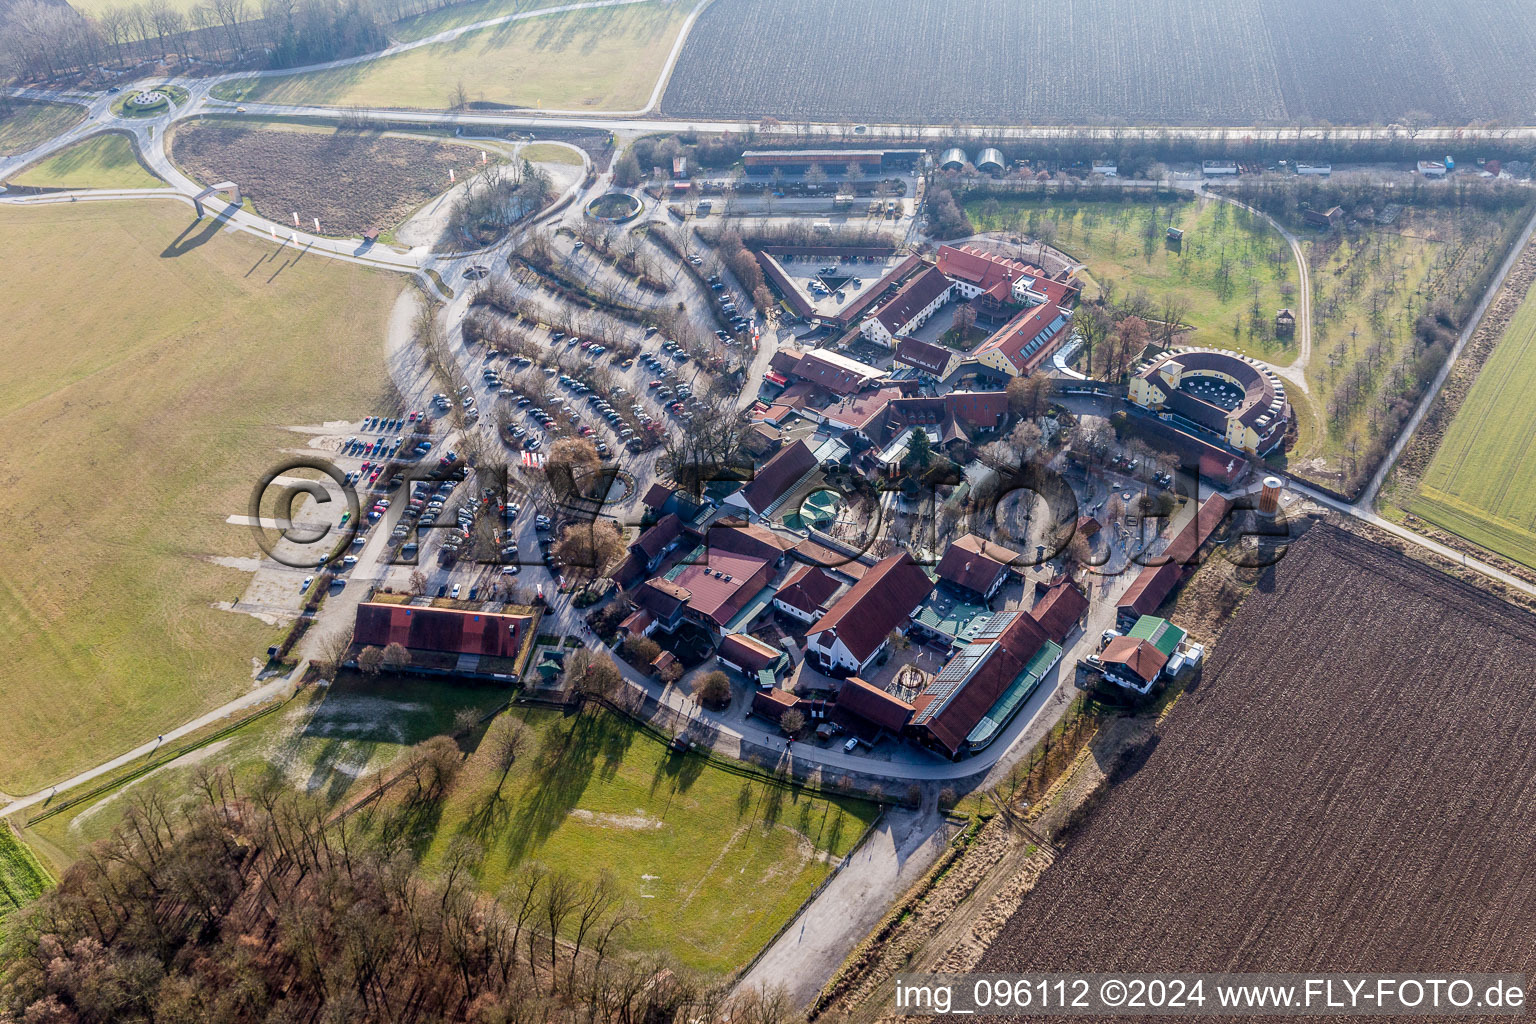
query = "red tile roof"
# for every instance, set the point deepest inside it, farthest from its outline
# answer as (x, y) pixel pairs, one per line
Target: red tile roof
(747, 651)
(721, 587)
(772, 703)
(857, 412)
(1199, 530)
(966, 688)
(838, 379)
(882, 601)
(731, 533)
(658, 494)
(975, 563)
(1147, 591)
(915, 296)
(873, 704)
(1016, 335)
(1060, 610)
(663, 532)
(440, 629)
(778, 475)
(929, 358)
(808, 589)
(1143, 659)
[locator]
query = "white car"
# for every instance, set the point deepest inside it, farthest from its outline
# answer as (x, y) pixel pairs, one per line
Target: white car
(305, 585)
(455, 591)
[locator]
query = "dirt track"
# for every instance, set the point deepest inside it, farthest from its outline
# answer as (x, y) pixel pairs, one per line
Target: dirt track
(1350, 788)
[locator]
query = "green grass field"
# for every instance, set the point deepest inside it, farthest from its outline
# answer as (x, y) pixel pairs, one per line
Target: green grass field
(453, 16)
(103, 161)
(1481, 484)
(605, 59)
(1228, 256)
(22, 878)
(135, 424)
(712, 862)
(26, 124)
(547, 153)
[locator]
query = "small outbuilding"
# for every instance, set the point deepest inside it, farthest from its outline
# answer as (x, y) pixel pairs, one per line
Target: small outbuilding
(991, 162)
(953, 159)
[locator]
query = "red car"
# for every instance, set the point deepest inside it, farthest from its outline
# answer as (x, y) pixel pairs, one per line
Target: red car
(655, 384)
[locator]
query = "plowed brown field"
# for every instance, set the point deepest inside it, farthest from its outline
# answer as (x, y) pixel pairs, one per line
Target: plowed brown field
(1352, 787)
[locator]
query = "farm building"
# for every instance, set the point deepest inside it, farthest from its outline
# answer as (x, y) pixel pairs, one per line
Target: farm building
(1060, 610)
(909, 308)
(748, 656)
(1285, 323)
(868, 703)
(976, 565)
(806, 593)
(1023, 344)
(1175, 235)
(1330, 218)
(983, 686)
(1315, 170)
(1218, 393)
(1140, 658)
(953, 159)
(1155, 582)
(833, 161)
(714, 589)
(856, 629)
(460, 641)
(976, 273)
(934, 360)
(1106, 169)
(991, 162)
(1218, 168)
(776, 480)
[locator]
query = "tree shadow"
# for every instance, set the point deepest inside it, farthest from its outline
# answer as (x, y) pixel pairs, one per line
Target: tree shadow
(186, 241)
(564, 764)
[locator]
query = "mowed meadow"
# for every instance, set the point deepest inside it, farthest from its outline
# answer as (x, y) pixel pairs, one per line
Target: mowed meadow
(603, 59)
(1481, 484)
(152, 364)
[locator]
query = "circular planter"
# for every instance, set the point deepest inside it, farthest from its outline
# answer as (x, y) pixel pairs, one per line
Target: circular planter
(614, 207)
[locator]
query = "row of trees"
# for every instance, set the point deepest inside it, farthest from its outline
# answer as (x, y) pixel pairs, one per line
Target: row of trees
(253, 906)
(41, 40)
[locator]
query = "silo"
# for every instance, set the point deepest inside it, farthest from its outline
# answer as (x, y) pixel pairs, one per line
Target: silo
(953, 159)
(1269, 497)
(991, 162)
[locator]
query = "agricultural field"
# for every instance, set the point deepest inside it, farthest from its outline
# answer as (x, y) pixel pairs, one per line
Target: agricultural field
(131, 437)
(1481, 484)
(1230, 264)
(102, 161)
(1369, 287)
(603, 59)
(351, 180)
(1321, 801)
(1229, 62)
(712, 862)
(22, 878)
(24, 125)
